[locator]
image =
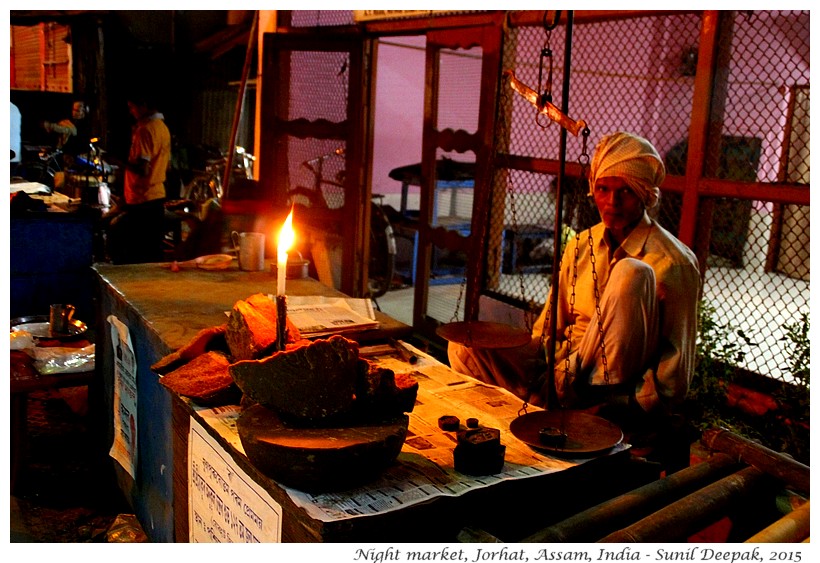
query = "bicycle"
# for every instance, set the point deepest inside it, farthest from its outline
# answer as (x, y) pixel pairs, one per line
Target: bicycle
(207, 184)
(329, 194)
(44, 169)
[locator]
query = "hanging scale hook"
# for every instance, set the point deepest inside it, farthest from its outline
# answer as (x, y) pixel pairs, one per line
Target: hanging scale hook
(546, 55)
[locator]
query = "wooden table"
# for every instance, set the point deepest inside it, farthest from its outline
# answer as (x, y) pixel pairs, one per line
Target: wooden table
(24, 380)
(164, 310)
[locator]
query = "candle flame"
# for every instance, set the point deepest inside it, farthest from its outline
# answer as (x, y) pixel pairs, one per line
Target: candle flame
(286, 235)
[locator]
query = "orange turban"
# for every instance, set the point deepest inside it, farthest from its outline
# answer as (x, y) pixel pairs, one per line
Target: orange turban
(632, 158)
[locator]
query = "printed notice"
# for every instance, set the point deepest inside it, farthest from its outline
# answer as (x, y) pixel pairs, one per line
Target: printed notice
(224, 504)
(124, 447)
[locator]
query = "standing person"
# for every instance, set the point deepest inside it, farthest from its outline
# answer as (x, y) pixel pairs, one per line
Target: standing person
(15, 121)
(137, 227)
(648, 288)
(66, 130)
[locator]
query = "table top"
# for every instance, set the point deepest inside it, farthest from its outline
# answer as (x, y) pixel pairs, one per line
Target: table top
(424, 477)
(178, 304)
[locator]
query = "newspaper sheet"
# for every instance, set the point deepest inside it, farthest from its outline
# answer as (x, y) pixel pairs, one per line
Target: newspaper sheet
(321, 316)
(424, 468)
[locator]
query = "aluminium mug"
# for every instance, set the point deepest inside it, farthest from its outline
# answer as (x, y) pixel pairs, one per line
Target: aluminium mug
(250, 249)
(59, 319)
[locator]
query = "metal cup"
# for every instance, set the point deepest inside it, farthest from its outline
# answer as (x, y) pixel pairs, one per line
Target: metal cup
(250, 248)
(59, 319)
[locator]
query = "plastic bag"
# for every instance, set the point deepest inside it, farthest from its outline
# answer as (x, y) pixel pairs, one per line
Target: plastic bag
(21, 340)
(55, 359)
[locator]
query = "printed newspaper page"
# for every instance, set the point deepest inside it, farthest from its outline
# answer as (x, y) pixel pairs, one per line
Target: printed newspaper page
(124, 447)
(316, 316)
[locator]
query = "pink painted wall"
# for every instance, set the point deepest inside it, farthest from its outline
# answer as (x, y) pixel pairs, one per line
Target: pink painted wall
(399, 109)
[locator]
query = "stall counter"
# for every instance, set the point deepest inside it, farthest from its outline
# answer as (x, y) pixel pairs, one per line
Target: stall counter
(163, 310)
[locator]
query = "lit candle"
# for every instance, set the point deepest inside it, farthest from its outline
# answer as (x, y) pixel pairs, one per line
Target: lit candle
(284, 242)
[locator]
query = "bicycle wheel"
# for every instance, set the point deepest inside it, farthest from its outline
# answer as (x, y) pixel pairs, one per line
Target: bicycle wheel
(382, 253)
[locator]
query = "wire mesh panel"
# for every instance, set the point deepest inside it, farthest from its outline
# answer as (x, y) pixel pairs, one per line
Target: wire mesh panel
(757, 269)
(638, 75)
(318, 164)
(756, 301)
(768, 55)
(319, 18)
(632, 75)
(458, 92)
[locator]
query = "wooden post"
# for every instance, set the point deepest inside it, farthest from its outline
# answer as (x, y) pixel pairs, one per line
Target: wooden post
(240, 99)
(777, 464)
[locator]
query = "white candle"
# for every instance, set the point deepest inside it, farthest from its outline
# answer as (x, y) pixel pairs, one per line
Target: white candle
(284, 242)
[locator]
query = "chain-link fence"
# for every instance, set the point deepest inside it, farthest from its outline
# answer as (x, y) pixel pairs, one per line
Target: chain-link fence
(638, 75)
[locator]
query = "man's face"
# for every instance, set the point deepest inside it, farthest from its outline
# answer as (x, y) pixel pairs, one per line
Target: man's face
(618, 205)
(78, 110)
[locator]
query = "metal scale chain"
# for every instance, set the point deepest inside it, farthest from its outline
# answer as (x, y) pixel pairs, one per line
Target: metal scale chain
(546, 54)
(583, 160)
(596, 292)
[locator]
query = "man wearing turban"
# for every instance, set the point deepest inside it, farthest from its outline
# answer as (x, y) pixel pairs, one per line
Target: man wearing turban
(627, 282)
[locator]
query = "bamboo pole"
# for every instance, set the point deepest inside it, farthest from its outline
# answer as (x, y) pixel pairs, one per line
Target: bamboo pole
(240, 99)
(597, 521)
(694, 512)
(792, 528)
(785, 468)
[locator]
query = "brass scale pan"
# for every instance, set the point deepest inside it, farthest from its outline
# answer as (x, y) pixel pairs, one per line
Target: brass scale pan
(580, 433)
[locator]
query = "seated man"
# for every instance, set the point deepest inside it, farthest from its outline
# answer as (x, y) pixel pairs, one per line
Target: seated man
(626, 317)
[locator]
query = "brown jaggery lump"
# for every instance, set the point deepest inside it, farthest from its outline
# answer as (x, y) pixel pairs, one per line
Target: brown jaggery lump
(408, 389)
(309, 382)
(449, 423)
(381, 391)
(207, 339)
(320, 459)
(251, 328)
(203, 378)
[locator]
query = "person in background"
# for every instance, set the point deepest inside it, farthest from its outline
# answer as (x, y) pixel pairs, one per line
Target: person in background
(15, 121)
(66, 130)
(647, 284)
(136, 230)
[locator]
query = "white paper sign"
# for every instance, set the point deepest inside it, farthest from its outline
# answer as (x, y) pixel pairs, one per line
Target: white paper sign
(224, 504)
(124, 447)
